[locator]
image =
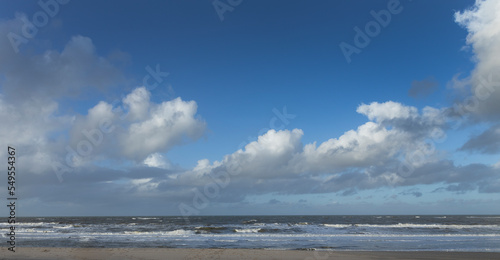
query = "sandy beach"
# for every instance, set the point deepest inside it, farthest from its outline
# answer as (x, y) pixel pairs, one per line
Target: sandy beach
(174, 253)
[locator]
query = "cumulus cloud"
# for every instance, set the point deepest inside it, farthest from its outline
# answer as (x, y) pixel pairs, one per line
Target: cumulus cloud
(33, 81)
(157, 160)
(137, 103)
(482, 22)
(137, 131)
(279, 163)
(370, 144)
(32, 128)
(397, 129)
(166, 125)
(270, 156)
(387, 111)
(365, 158)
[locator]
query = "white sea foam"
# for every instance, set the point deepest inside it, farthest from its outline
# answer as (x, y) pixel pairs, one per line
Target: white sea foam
(247, 230)
(439, 226)
(481, 217)
(337, 225)
(410, 234)
(64, 227)
(179, 232)
(227, 240)
(85, 239)
(30, 224)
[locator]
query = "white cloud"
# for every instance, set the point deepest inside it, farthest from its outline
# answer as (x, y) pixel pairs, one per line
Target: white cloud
(365, 158)
(281, 154)
(496, 165)
(387, 111)
(33, 82)
(482, 22)
(166, 125)
(270, 156)
(148, 128)
(202, 165)
(370, 144)
(158, 161)
(31, 127)
(137, 103)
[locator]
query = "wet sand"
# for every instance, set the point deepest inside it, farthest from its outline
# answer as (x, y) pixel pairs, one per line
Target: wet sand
(178, 253)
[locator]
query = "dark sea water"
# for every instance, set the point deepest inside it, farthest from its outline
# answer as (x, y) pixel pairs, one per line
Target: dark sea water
(377, 233)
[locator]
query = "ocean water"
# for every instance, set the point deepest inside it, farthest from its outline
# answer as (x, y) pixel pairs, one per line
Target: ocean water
(374, 233)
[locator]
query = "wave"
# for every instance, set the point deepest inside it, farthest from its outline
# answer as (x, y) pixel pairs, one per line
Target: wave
(338, 225)
(177, 232)
(65, 226)
(410, 225)
(270, 230)
(247, 230)
(481, 217)
(436, 226)
(30, 223)
(85, 239)
(205, 230)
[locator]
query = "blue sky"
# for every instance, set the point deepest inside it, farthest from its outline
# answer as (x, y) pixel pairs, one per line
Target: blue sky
(255, 109)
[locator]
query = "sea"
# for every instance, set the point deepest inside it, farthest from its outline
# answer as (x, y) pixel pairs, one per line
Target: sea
(338, 233)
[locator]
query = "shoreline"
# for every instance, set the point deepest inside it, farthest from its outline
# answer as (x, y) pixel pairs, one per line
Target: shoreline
(194, 253)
